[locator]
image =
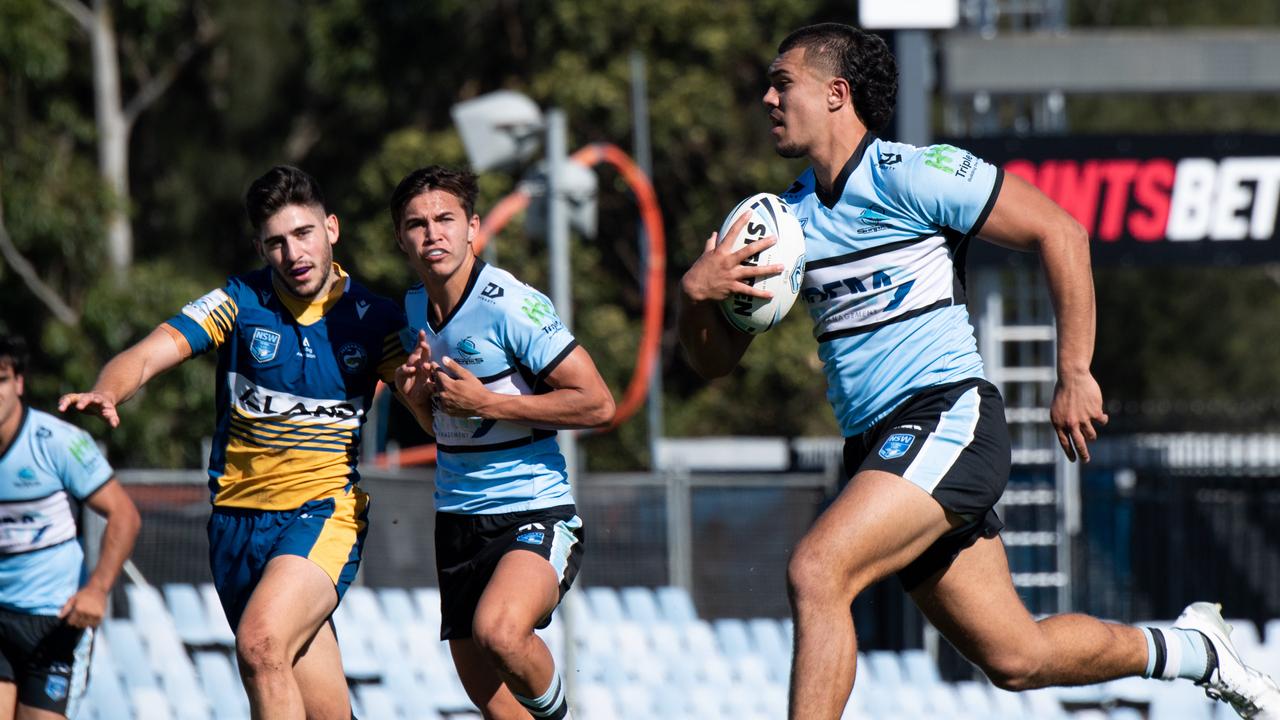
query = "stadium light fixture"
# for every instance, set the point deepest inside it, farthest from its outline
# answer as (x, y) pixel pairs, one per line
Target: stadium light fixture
(499, 130)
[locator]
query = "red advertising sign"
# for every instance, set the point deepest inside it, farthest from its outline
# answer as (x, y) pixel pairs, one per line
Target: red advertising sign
(1155, 199)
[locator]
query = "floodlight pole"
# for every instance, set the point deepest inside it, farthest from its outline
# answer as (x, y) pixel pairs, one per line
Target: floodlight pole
(557, 155)
(558, 239)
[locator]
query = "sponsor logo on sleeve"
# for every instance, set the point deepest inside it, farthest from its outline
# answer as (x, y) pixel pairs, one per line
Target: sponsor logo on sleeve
(84, 451)
(201, 308)
(539, 311)
(492, 292)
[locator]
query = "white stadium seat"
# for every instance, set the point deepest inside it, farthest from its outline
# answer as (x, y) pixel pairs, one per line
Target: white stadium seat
(640, 604)
(189, 614)
(219, 628)
(606, 606)
(676, 605)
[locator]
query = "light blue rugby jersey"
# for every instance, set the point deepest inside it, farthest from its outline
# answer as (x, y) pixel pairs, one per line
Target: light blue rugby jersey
(884, 275)
(508, 335)
(50, 467)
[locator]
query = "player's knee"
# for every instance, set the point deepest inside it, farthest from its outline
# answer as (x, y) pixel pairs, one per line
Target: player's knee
(260, 652)
(499, 634)
(814, 576)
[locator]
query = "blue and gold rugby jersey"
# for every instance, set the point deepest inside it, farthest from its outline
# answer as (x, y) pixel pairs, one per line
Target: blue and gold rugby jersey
(884, 275)
(508, 335)
(295, 381)
(46, 472)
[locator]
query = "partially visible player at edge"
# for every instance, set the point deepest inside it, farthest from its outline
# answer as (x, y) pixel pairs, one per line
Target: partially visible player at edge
(301, 347)
(494, 374)
(47, 469)
(926, 445)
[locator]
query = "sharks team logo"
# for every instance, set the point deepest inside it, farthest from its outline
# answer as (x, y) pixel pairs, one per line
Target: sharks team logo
(264, 344)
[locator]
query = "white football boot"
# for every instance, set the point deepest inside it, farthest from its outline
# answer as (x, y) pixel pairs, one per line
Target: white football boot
(1249, 692)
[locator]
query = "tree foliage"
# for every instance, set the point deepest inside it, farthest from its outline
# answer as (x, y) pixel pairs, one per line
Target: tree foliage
(358, 93)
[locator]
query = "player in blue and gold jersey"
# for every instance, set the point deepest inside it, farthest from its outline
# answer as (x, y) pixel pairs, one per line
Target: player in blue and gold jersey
(48, 470)
(301, 347)
(494, 374)
(927, 450)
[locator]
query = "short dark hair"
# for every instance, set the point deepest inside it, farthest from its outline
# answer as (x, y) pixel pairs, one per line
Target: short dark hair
(861, 58)
(281, 186)
(13, 352)
(458, 183)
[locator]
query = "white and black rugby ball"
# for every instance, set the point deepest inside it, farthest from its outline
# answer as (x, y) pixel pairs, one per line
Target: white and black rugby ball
(770, 217)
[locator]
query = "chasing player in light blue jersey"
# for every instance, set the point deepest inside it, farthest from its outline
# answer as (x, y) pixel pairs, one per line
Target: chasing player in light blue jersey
(48, 469)
(494, 374)
(301, 347)
(926, 444)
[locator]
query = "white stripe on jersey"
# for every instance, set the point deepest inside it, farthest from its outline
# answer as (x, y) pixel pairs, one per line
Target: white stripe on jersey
(201, 308)
(27, 525)
(262, 403)
(871, 289)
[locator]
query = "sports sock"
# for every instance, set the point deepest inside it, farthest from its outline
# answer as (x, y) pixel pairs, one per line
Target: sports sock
(1178, 653)
(552, 705)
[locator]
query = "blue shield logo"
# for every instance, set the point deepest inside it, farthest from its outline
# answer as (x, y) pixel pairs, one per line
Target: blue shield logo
(56, 687)
(530, 538)
(264, 344)
(897, 445)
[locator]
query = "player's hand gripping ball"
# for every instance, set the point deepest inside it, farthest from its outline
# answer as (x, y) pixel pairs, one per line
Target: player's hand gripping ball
(770, 217)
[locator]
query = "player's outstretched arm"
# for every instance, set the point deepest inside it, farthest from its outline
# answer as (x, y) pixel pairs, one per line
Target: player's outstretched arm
(713, 347)
(579, 397)
(127, 372)
(1023, 218)
(87, 606)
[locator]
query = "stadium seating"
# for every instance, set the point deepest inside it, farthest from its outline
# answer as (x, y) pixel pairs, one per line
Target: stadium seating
(636, 654)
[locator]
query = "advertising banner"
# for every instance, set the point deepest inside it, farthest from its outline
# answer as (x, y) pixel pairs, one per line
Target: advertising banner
(1153, 200)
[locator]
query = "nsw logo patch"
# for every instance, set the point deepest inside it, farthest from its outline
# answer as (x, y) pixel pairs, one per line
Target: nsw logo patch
(897, 445)
(531, 538)
(56, 687)
(264, 344)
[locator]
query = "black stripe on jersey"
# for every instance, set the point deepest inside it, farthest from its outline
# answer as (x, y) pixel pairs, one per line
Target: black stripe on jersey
(868, 252)
(73, 538)
(991, 203)
(476, 267)
(832, 196)
(490, 378)
(946, 302)
(555, 362)
(222, 317)
(959, 246)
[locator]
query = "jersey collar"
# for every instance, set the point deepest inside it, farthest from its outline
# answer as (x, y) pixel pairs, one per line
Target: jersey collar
(476, 267)
(308, 312)
(829, 199)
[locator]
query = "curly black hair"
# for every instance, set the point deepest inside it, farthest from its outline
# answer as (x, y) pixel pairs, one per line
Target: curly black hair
(859, 57)
(461, 184)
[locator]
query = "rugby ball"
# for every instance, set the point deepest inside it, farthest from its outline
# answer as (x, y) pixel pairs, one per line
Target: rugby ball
(770, 217)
